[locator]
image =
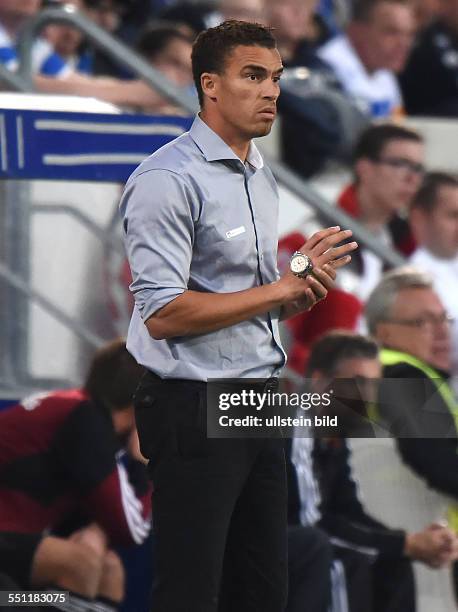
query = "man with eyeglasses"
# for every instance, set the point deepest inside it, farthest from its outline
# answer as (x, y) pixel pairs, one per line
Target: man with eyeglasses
(387, 170)
(434, 222)
(407, 317)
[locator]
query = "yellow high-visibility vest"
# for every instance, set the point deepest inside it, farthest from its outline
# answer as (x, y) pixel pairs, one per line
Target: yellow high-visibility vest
(390, 357)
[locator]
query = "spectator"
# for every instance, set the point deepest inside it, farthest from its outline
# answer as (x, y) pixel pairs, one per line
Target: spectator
(407, 317)
(52, 75)
(374, 48)
(105, 13)
(63, 453)
(434, 222)
(122, 19)
(388, 168)
(202, 15)
(322, 491)
(243, 10)
(168, 50)
(13, 15)
(429, 82)
(298, 30)
(307, 137)
(68, 43)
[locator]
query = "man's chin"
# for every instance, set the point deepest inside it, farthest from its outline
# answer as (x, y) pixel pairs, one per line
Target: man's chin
(262, 130)
(440, 362)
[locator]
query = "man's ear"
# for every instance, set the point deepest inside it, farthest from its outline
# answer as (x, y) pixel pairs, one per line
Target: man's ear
(209, 84)
(363, 169)
(383, 333)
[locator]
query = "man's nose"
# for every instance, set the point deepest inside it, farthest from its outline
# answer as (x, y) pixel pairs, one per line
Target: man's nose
(271, 91)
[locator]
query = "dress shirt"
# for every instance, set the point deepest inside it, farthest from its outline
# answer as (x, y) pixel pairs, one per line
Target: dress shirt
(196, 217)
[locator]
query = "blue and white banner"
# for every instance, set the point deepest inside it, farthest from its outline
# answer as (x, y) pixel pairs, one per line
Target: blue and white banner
(80, 146)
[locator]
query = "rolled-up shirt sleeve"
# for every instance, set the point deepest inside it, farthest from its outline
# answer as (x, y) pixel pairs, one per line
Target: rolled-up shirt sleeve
(158, 210)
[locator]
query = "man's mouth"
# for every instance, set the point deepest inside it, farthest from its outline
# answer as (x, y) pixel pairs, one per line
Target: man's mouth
(268, 112)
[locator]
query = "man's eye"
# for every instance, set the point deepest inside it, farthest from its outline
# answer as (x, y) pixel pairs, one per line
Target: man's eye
(253, 77)
(276, 79)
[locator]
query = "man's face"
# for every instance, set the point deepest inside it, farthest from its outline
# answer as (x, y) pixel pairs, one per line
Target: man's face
(107, 14)
(290, 18)
(359, 367)
(65, 39)
(393, 179)
(174, 62)
(19, 8)
(354, 387)
(439, 227)
(417, 325)
(243, 97)
(243, 10)
(389, 32)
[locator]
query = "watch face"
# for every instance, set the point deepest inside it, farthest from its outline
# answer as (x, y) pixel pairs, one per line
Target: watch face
(299, 264)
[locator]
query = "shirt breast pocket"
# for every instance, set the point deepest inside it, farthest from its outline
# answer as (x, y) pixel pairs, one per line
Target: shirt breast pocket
(228, 248)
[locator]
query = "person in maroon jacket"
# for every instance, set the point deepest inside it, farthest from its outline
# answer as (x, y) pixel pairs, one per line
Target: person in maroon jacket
(74, 452)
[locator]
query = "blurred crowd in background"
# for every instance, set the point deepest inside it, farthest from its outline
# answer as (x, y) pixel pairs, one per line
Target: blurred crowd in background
(362, 60)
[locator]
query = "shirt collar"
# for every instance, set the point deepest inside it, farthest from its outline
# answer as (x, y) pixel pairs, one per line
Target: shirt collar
(214, 148)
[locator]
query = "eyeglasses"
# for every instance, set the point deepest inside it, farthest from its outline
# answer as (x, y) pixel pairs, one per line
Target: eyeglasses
(401, 163)
(426, 322)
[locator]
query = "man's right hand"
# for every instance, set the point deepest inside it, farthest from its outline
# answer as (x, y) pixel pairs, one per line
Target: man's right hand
(436, 545)
(327, 257)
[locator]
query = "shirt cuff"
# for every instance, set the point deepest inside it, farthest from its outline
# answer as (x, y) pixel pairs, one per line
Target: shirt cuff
(148, 302)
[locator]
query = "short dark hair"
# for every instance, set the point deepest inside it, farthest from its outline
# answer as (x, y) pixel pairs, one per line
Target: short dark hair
(113, 376)
(156, 36)
(362, 9)
(426, 197)
(374, 138)
(212, 46)
(336, 346)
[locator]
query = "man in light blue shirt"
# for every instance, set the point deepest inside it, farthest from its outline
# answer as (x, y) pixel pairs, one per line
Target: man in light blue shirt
(200, 219)
(222, 239)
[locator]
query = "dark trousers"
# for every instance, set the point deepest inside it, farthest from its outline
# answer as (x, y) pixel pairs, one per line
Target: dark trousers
(219, 507)
(309, 570)
(380, 585)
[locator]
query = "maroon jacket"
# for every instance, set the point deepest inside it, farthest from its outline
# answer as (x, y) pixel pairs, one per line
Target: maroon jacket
(58, 456)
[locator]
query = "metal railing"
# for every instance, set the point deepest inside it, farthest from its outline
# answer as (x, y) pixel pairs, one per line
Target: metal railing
(13, 80)
(133, 62)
